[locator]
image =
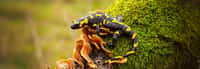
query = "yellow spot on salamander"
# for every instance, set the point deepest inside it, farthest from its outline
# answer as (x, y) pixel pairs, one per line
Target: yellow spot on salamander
(135, 45)
(94, 25)
(91, 16)
(128, 29)
(124, 60)
(118, 57)
(117, 32)
(130, 52)
(133, 36)
(84, 21)
(114, 20)
(107, 16)
(107, 22)
(104, 21)
(98, 15)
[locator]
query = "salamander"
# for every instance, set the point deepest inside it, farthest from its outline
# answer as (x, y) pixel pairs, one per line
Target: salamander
(103, 20)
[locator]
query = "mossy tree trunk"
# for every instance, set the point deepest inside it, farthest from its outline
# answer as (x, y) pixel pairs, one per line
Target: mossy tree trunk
(168, 32)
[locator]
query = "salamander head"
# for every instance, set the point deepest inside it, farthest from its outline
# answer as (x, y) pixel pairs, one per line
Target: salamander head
(80, 23)
(76, 24)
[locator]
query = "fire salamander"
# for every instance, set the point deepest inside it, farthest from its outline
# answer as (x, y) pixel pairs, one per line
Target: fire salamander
(102, 20)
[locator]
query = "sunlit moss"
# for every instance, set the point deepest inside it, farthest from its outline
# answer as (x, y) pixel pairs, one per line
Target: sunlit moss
(167, 30)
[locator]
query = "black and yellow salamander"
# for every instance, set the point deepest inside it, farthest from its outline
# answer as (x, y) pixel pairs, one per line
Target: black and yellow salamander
(101, 20)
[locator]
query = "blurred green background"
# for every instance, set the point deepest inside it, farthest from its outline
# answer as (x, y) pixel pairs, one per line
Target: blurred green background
(36, 32)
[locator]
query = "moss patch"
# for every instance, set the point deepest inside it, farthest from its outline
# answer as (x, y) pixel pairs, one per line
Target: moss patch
(168, 32)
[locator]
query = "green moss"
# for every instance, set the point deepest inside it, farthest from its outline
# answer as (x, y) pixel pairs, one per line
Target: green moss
(167, 30)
